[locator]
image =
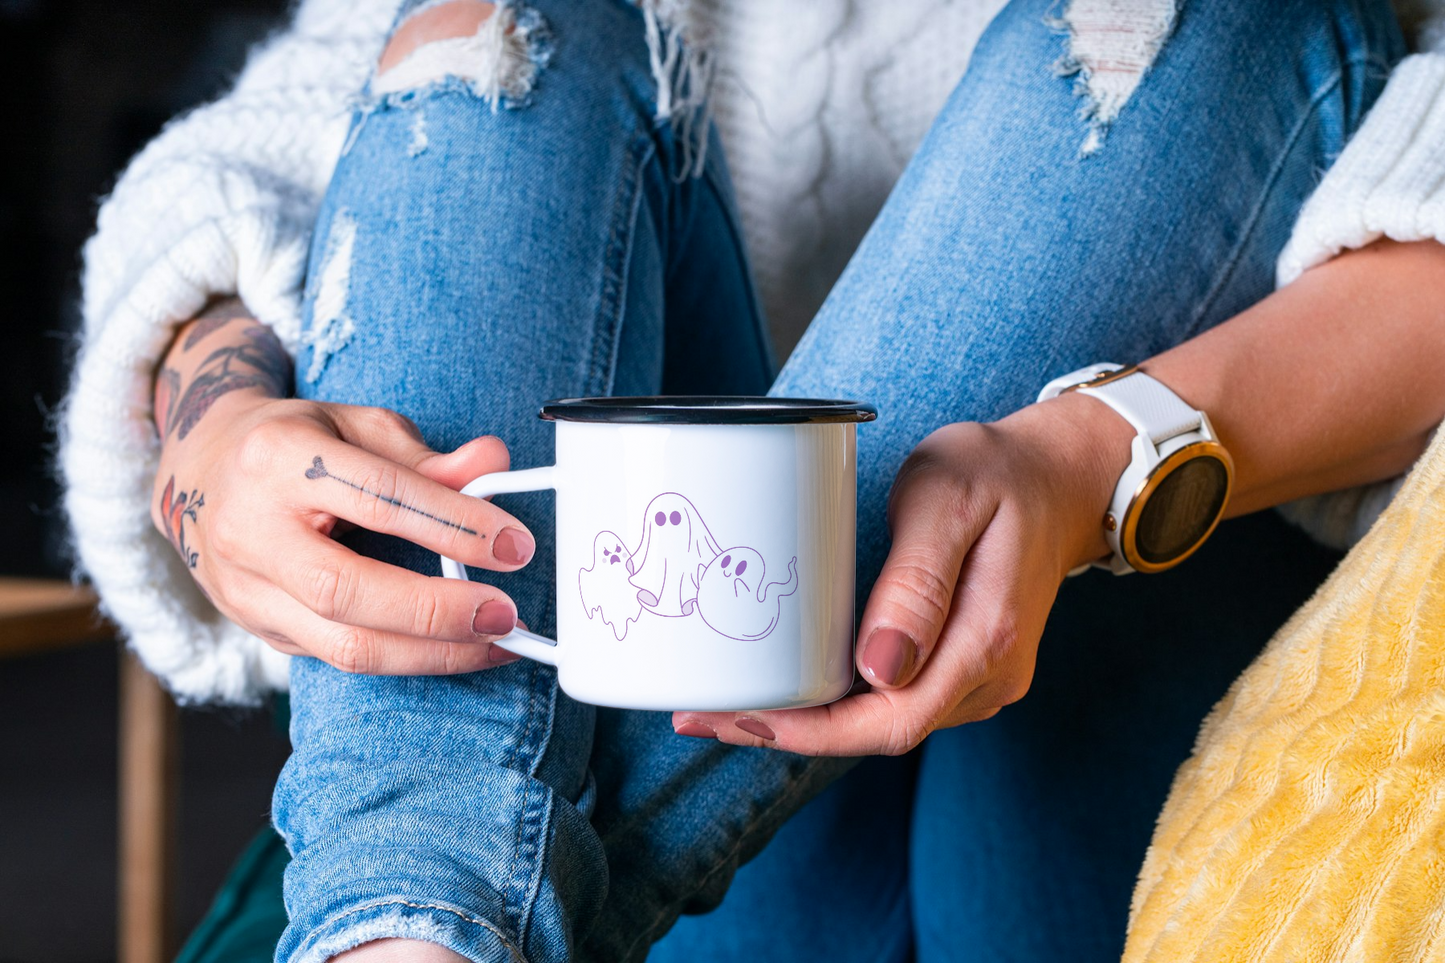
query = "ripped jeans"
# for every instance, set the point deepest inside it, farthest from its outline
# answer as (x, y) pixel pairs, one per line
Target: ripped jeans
(472, 262)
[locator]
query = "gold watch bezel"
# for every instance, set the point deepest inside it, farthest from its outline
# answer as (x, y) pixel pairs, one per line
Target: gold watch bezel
(1128, 545)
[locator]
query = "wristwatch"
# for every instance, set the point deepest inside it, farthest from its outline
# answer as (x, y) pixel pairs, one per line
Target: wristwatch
(1173, 493)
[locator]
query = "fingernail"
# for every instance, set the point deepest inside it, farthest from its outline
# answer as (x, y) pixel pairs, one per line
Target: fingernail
(696, 729)
(500, 656)
(513, 546)
(755, 727)
(888, 656)
(494, 618)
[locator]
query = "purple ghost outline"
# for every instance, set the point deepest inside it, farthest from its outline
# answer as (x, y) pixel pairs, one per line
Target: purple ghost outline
(602, 600)
(668, 574)
(716, 578)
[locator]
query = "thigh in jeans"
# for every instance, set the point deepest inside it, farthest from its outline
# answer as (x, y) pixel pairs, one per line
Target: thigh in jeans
(1022, 243)
(472, 260)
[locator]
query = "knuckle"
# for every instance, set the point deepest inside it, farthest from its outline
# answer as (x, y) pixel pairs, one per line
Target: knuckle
(223, 535)
(329, 590)
(919, 588)
(1014, 691)
(353, 651)
(431, 616)
(386, 421)
(382, 483)
(997, 642)
(906, 733)
(256, 454)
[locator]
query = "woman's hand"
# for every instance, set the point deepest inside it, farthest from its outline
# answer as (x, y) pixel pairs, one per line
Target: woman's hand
(986, 522)
(252, 486)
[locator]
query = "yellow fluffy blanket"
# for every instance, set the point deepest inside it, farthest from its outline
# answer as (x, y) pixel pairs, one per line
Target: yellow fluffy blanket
(1309, 825)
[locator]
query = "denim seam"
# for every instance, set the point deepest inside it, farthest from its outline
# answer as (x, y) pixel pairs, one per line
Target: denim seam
(535, 807)
(603, 368)
(671, 908)
(1252, 221)
(515, 756)
(475, 920)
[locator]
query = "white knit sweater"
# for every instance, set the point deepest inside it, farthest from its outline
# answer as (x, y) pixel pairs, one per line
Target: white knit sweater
(223, 201)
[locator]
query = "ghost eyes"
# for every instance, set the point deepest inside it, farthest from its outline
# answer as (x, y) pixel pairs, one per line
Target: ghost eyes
(742, 567)
(727, 560)
(662, 519)
(675, 518)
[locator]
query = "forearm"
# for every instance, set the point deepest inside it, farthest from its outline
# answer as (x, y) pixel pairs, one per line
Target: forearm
(1333, 381)
(223, 350)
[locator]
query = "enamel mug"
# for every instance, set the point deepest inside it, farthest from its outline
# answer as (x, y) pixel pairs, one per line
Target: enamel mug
(705, 550)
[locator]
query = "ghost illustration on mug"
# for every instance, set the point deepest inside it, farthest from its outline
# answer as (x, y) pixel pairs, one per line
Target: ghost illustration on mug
(677, 571)
(734, 599)
(676, 546)
(605, 588)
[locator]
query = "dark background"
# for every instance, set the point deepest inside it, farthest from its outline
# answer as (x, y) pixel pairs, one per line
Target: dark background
(84, 84)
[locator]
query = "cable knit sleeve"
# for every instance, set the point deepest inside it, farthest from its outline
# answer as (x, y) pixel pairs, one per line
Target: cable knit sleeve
(1388, 182)
(220, 203)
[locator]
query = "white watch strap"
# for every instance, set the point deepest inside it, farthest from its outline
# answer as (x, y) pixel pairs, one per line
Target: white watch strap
(1151, 408)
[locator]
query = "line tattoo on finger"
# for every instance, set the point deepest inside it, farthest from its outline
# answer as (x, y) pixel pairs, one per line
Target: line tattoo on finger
(318, 471)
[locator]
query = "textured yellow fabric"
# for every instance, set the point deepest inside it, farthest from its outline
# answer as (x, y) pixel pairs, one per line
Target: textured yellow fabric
(1309, 824)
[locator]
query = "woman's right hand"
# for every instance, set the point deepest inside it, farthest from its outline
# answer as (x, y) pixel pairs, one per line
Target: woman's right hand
(252, 486)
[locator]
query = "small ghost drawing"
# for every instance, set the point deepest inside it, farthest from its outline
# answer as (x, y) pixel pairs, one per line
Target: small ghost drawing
(676, 546)
(728, 601)
(605, 587)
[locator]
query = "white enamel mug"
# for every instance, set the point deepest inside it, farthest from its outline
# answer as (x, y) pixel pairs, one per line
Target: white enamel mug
(705, 550)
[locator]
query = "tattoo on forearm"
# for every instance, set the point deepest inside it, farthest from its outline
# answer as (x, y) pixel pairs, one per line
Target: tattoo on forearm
(176, 507)
(217, 315)
(262, 363)
(205, 325)
(168, 391)
(318, 471)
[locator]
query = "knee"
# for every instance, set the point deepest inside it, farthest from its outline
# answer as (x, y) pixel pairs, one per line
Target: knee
(497, 51)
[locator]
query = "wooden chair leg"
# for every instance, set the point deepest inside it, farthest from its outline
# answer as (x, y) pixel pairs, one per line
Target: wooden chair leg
(149, 744)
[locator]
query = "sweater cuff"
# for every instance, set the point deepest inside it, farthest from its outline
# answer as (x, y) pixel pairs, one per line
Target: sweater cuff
(1390, 179)
(109, 452)
(1388, 182)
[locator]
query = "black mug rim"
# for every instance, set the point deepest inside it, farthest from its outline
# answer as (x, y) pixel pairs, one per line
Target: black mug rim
(707, 410)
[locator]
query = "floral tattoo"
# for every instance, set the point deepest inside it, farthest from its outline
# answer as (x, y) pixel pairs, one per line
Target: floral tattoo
(259, 363)
(176, 507)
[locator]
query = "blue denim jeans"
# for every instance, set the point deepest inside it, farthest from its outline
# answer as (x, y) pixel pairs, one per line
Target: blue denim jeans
(559, 247)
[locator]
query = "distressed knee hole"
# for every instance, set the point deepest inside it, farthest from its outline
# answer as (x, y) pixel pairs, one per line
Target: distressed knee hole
(495, 49)
(447, 21)
(331, 325)
(1111, 45)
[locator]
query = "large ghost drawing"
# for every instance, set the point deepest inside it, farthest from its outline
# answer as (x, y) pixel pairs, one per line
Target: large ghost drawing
(733, 599)
(605, 588)
(676, 546)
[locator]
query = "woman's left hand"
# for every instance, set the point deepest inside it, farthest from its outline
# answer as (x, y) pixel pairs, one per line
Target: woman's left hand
(987, 519)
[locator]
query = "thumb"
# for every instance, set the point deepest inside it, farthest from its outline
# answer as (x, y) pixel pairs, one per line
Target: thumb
(481, 456)
(933, 529)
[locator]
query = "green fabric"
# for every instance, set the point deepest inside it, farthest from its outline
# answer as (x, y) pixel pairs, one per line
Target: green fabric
(247, 916)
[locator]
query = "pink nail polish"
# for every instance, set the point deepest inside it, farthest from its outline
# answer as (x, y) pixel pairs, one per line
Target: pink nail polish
(500, 656)
(755, 727)
(695, 729)
(494, 618)
(889, 656)
(513, 546)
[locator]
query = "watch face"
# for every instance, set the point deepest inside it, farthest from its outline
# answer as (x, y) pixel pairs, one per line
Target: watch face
(1182, 510)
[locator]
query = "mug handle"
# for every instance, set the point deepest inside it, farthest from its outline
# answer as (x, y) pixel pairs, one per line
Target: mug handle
(520, 641)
